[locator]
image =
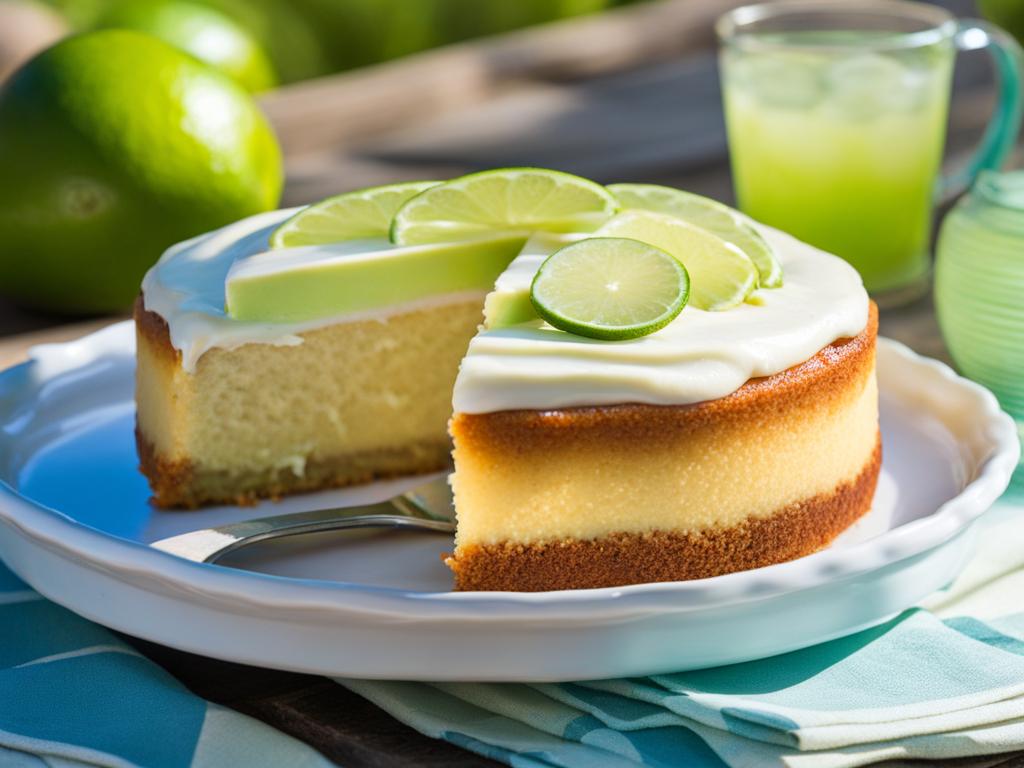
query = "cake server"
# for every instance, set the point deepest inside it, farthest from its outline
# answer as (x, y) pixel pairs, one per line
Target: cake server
(426, 507)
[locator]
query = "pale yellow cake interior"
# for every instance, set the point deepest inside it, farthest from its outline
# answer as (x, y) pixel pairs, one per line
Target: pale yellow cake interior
(718, 477)
(350, 392)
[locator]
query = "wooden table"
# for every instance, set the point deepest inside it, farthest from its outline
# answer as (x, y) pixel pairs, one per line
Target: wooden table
(631, 95)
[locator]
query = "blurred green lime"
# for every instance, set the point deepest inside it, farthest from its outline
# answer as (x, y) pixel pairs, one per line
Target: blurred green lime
(464, 19)
(115, 145)
(206, 33)
(1008, 14)
(289, 35)
(307, 38)
(284, 30)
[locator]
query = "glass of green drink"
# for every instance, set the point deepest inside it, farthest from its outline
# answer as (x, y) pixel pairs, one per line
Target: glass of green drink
(836, 115)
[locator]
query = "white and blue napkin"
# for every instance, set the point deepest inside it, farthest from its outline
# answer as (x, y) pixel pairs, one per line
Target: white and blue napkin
(72, 694)
(938, 682)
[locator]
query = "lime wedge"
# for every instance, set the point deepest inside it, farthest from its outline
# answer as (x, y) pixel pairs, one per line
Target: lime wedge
(610, 288)
(708, 214)
(522, 200)
(296, 285)
(722, 275)
(364, 213)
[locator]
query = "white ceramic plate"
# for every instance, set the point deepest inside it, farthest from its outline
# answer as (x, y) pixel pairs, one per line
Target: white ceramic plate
(74, 523)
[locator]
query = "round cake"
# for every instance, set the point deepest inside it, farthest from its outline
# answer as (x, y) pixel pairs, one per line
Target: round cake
(725, 441)
(315, 348)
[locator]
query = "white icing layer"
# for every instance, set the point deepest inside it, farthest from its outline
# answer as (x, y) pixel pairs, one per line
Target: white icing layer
(186, 288)
(699, 356)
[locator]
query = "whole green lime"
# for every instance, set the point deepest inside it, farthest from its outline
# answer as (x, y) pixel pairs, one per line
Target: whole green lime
(115, 145)
(206, 33)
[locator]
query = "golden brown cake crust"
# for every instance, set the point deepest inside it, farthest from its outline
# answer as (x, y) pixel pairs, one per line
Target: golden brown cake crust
(632, 558)
(826, 376)
(154, 328)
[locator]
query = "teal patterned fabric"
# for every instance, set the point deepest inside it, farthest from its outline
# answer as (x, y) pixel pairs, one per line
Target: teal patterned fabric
(72, 694)
(940, 681)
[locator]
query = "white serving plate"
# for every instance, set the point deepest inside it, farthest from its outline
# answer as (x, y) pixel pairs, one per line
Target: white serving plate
(75, 523)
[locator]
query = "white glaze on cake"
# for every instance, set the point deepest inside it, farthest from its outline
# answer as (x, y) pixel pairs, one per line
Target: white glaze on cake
(186, 288)
(699, 356)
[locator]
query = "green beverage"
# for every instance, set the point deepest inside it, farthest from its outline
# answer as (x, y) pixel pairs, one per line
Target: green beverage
(842, 149)
(836, 120)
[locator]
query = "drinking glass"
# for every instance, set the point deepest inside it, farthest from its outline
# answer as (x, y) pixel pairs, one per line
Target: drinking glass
(836, 115)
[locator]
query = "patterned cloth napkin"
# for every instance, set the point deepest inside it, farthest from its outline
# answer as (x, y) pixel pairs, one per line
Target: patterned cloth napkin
(940, 681)
(72, 694)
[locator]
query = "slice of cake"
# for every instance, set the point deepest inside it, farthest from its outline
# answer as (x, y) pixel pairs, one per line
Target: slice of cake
(229, 411)
(301, 350)
(727, 440)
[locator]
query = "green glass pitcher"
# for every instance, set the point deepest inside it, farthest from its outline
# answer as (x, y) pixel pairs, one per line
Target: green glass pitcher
(979, 289)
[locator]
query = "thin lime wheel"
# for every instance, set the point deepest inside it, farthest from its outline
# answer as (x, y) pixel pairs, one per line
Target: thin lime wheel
(364, 213)
(722, 275)
(504, 200)
(715, 217)
(610, 288)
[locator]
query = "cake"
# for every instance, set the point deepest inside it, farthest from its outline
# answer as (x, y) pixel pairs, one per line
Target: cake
(660, 390)
(722, 442)
(232, 411)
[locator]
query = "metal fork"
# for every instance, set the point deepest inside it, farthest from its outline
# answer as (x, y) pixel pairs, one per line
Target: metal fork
(427, 507)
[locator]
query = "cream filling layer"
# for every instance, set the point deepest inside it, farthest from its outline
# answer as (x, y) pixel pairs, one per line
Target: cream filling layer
(699, 356)
(713, 480)
(186, 288)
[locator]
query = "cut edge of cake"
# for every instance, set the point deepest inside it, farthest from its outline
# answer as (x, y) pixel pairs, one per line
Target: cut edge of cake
(395, 428)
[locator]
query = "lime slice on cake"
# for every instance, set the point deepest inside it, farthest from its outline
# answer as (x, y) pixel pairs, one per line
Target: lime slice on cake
(610, 288)
(708, 214)
(722, 275)
(519, 200)
(362, 214)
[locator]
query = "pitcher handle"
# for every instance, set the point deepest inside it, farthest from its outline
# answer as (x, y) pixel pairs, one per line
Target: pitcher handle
(1001, 133)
